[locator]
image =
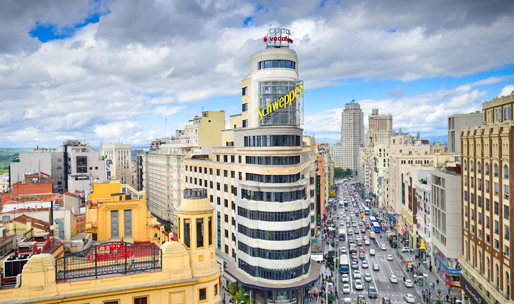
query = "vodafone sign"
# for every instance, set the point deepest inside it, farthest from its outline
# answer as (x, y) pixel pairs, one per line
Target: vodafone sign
(277, 38)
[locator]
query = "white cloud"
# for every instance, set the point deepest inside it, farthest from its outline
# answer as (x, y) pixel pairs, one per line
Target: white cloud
(506, 91)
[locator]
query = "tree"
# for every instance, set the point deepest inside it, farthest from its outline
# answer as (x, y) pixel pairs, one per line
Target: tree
(339, 173)
(233, 288)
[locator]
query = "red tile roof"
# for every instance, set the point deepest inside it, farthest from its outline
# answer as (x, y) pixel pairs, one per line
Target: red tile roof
(71, 194)
(39, 224)
(33, 198)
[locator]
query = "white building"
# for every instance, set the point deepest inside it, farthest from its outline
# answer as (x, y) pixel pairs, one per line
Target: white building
(352, 135)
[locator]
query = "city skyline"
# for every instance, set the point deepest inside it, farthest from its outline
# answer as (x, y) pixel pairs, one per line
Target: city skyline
(80, 69)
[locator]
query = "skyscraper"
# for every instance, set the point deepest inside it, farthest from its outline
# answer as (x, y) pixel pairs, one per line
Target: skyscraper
(380, 128)
(352, 134)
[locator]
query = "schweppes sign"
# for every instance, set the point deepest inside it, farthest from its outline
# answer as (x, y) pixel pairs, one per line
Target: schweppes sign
(282, 102)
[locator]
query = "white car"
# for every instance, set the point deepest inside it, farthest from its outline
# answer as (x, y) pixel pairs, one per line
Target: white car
(405, 249)
(383, 247)
(389, 257)
(343, 250)
(392, 279)
(357, 237)
(409, 298)
(346, 288)
(408, 283)
(367, 277)
(356, 274)
(347, 301)
(365, 264)
(366, 242)
(372, 252)
(358, 285)
(346, 279)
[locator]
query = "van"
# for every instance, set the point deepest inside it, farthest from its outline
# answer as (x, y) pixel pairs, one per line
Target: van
(372, 234)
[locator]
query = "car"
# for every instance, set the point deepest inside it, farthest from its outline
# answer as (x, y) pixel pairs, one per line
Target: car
(367, 277)
(392, 279)
(359, 243)
(356, 231)
(363, 230)
(348, 225)
(376, 267)
(408, 283)
(346, 288)
(383, 247)
(409, 298)
(361, 250)
(356, 274)
(342, 213)
(344, 250)
(365, 237)
(366, 242)
(357, 237)
(365, 264)
(405, 249)
(347, 301)
(362, 256)
(389, 257)
(354, 255)
(350, 240)
(361, 299)
(355, 265)
(360, 224)
(386, 300)
(372, 252)
(354, 225)
(358, 285)
(372, 292)
(345, 278)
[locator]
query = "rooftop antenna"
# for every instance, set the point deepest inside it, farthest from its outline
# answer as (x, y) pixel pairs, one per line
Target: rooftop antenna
(353, 99)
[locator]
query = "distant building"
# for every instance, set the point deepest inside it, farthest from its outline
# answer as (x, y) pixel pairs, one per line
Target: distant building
(380, 128)
(336, 154)
(120, 154)
(456, 123)
(352, 135)
(4, 182)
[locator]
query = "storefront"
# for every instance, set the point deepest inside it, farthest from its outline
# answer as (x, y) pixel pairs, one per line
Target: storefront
(450, 275)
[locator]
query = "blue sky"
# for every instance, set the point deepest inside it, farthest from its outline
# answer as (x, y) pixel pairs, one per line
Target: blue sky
(115, 69)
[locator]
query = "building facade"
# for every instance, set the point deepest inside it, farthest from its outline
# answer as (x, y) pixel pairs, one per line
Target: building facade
(352, 135)
(456, 123)
(336, 154)
(120, 154)
(380, 128)
(263, 183)
(486, 204)
(381, 174)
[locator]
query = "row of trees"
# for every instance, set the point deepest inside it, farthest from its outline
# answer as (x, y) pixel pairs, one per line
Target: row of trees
(340, 173)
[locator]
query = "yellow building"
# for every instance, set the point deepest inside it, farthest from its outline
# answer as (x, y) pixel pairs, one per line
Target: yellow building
(115, 212)
(123, 273)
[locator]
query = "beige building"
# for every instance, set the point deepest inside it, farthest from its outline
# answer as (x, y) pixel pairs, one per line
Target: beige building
(486, 259)
(380, 173)
(380, 128)
(336, 153)
(4, 182)
(352, 135)
(262, 183)
(163, 168)
(456, 123)
(120, 154)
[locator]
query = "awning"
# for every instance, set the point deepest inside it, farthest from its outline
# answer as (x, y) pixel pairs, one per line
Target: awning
(451, 271)
(402, 231)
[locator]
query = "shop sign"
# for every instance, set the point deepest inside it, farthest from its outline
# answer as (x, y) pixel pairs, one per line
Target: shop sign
(278, 37)
(471, 292)
(113, 251)
(317, 257)
(282, 102)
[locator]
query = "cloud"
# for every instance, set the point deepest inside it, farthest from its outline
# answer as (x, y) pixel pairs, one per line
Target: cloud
(506, 91)
(188, 52)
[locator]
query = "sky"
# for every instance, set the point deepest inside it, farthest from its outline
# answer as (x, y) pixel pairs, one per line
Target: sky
(117, 70)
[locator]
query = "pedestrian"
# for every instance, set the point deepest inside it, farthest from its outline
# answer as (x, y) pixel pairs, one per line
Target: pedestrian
(437, 281)
(444, 298)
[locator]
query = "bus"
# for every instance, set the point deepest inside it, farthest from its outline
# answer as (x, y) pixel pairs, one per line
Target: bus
(346, 203)
(376, 227)
(344, 266)
(372, 220)
(366, 211)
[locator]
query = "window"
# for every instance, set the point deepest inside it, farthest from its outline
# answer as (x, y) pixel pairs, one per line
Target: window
(218, 171)
(218, 200)
(496, 227)
(506, 230)
(218, 186)
(245, 123)
(187, 233)
(111, 302)
(507, 114)
(506, 212)
(215, 289)
(270, 64)
(245, 107)
(487, 169)
(487, 204)
(244, 91)
(506, 172)
(199, 233)
(487, 222)
(479, 168)
(203, 294)
(496, 208)
(140, 301)
(495, 170)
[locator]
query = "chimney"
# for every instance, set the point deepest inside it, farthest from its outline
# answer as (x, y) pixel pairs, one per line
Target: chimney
(28, 224)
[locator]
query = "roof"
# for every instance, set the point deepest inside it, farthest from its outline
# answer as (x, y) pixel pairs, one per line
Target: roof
(7, 235)
(71, 194)
(45, 198)
(39, 224)
(20, 210)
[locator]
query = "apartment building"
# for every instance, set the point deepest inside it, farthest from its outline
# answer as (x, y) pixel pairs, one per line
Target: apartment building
(424, 221)
(456, 123)
(486, 204)
(446, 213)
(380, 128)
(120, 154)
(263, 183)
(336, 154)
(380, 173)
(352, 134)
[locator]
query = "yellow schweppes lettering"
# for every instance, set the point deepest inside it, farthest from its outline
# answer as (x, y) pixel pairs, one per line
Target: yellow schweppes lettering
(282, 102)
